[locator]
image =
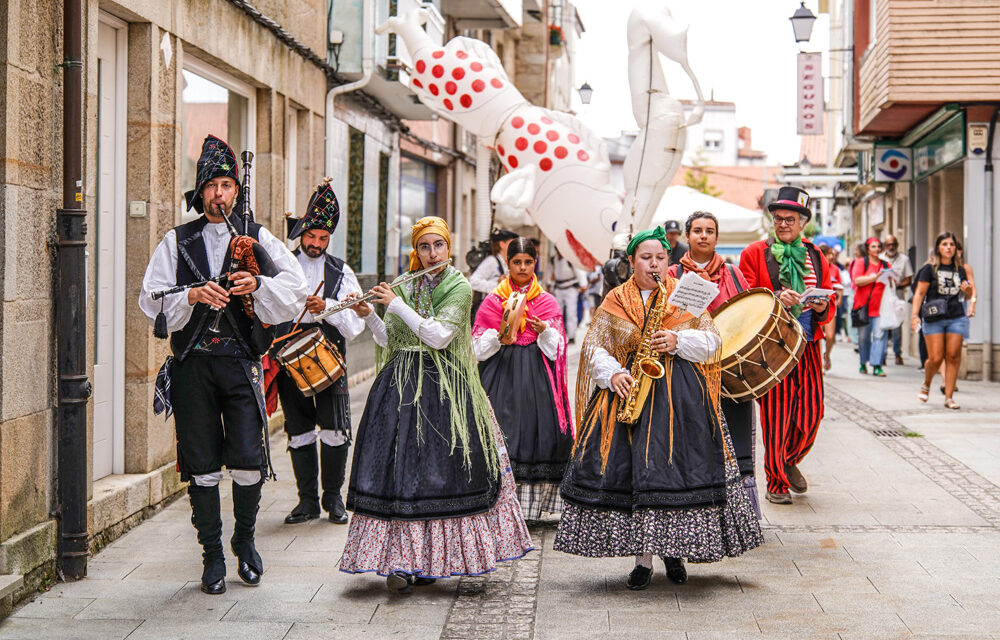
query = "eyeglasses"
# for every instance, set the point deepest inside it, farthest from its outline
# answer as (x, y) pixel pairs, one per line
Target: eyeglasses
(892, 244)
(425, 247)
(784, 222)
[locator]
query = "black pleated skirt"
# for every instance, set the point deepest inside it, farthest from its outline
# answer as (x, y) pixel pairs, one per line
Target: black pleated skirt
(517, 383)
(404, 467)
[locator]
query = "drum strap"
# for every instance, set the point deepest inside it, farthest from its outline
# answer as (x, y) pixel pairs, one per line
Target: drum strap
(732, 274)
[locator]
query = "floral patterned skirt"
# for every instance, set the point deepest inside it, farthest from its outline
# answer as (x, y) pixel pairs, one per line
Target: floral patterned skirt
(703, 534)
(469, 545)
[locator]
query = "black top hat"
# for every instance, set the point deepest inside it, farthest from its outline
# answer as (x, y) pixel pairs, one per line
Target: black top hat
(217, 161)
(322, 212)
(672, 225)
(792, 199)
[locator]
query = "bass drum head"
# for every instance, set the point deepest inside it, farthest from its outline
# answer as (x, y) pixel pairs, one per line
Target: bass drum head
(741, 318)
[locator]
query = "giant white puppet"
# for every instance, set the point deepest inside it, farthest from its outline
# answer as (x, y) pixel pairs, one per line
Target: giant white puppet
(557, 169)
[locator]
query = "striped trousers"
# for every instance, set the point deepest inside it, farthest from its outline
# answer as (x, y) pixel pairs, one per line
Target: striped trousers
(790, 414)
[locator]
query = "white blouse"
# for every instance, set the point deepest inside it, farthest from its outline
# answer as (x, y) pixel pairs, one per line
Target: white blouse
(347, 322)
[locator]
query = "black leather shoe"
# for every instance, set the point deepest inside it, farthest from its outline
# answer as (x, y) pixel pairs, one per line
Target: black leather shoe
(338, 513)
(300, 517)
(217, 588)
(399, 582)
(639, 578)
(421, 581)
(675, 570)
(249, 575)
(796, 481)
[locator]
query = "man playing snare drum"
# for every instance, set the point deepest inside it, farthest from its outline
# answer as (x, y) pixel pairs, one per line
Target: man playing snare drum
(331, 407)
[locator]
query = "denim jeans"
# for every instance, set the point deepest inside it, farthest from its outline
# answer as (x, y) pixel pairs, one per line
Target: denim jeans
(872, 343)
(897, 341)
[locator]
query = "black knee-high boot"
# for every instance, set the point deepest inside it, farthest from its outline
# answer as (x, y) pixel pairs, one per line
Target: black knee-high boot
(334, 471)
(246, 502)
(305, 464)
(207, 521)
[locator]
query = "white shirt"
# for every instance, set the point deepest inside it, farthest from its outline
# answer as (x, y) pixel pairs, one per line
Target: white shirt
(487, 275)
(693, 345)
(901, 269)
(488, 343)
(278, 299)
(563, 271)
(347, 322)
(435, 334)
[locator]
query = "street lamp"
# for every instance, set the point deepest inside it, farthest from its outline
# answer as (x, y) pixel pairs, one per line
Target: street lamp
(802, 23)
(586, 91)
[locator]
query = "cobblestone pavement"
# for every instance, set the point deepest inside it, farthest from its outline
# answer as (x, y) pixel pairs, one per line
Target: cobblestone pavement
(898, 537)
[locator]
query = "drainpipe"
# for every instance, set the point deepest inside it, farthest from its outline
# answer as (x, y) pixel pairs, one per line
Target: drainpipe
(74, 386)
(367, 67)
(990, 286)
(484, 216)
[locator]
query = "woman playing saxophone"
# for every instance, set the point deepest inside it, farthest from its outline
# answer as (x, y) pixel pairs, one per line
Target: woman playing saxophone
(652, 470)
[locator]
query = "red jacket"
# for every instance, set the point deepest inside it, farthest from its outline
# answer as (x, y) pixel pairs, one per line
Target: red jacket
(761, 270)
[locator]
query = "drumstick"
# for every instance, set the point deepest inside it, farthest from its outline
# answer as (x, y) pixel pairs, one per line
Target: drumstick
(302, 315)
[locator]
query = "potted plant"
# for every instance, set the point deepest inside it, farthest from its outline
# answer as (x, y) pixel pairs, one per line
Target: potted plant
(555, 35)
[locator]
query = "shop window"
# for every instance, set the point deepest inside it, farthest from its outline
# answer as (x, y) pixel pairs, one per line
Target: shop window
(417, 198)
(211, 103)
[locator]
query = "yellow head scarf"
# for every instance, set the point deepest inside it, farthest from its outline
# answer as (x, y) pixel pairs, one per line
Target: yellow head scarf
(429, 224)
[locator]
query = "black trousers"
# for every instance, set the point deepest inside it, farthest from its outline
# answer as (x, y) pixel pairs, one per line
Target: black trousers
(217, 415)
(330, 408)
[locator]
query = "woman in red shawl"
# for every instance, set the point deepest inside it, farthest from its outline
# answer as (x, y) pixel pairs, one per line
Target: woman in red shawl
(702, 231)
(526, 382)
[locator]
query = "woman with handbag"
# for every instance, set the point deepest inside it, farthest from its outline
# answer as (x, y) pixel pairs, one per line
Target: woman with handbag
(938, 306)
(872, 340)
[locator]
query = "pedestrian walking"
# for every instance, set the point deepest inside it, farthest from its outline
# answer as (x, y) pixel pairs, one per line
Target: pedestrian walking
(944, 301)
(431, 487)
(790, 413)
(830, 328)
(524, 375)
(869, 275)
(213, 382)
(677, 248)
(902, 272)
(567, 284)
(492, 269)
(654, 474)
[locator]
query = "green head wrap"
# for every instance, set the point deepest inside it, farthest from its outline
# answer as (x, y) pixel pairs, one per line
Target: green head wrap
(649, 234)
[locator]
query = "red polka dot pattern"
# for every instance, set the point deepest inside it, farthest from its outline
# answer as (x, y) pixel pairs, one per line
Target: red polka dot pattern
(548, 142)
(438, 54)
(437, 71)
(458, 73)
(517, 122)
(448, 105)
(500, 149)
(546, 120)
(512, 161)
(433, 89)
(450, 87)
(582, 155)
(540, 147)
(573, 138)
(478, 85)
(475, 66)
(533, 129)
(552, 135)
(496, 83)
(417, 83)
(545, 164)
(461, 55)
(521, 144)
(561, 152)
(421, 66)
(466, 100)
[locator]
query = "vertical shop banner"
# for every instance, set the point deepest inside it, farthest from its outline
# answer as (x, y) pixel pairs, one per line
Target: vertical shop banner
(810, 94)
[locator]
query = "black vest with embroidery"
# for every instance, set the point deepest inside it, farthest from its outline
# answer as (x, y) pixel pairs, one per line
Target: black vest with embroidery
(238, 336)
(333, 278)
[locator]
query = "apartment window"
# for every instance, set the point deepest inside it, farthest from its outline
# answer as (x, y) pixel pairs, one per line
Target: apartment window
(713, 140)
(211, 103)
(417, 198)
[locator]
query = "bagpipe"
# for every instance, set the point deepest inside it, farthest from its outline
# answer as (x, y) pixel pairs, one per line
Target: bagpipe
(245, 254)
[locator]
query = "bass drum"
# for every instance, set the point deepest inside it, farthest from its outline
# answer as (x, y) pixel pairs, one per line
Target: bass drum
(761, 343)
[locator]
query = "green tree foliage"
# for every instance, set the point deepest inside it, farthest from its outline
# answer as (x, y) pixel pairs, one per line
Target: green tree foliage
(697, 178)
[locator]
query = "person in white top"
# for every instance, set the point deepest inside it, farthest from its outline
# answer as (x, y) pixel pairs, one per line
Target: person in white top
(567, 283)
(330, 280)
(492, 269)
(902, 271)
(213, 382)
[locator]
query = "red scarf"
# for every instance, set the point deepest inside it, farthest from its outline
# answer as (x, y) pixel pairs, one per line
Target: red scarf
(711, 272)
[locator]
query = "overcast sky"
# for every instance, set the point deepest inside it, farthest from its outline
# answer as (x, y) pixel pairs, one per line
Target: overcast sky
(743, 50)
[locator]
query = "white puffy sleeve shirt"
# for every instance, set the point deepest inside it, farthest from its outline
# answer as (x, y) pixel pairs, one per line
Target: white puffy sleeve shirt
(347, 322)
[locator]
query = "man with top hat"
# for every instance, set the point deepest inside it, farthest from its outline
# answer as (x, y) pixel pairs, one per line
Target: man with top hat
(790, 413)
(677, 248)
(213, 381)
(330, 280)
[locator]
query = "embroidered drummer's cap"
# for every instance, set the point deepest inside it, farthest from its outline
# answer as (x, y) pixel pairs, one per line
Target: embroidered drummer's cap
(792, 199)
(217, 161)
(322, 212)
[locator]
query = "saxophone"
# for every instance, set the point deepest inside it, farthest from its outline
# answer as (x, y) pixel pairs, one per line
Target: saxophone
(646, 366)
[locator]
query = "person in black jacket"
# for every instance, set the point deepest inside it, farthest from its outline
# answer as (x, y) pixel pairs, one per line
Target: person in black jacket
(213, 382)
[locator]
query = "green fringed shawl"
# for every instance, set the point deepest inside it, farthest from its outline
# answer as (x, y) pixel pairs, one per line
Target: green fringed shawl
(451, 304)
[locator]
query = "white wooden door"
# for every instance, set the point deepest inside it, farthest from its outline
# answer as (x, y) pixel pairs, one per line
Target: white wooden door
(109, 341)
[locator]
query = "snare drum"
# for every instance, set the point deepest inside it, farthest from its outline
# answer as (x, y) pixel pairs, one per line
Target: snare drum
(312, 361)
(761, 343)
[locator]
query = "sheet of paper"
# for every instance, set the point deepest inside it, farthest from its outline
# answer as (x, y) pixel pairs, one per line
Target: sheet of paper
(815, 292)
(693, 293)
(886, 277)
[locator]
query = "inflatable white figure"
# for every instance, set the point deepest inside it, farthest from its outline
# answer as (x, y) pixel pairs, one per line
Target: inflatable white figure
(558, 169)
(653, 31)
